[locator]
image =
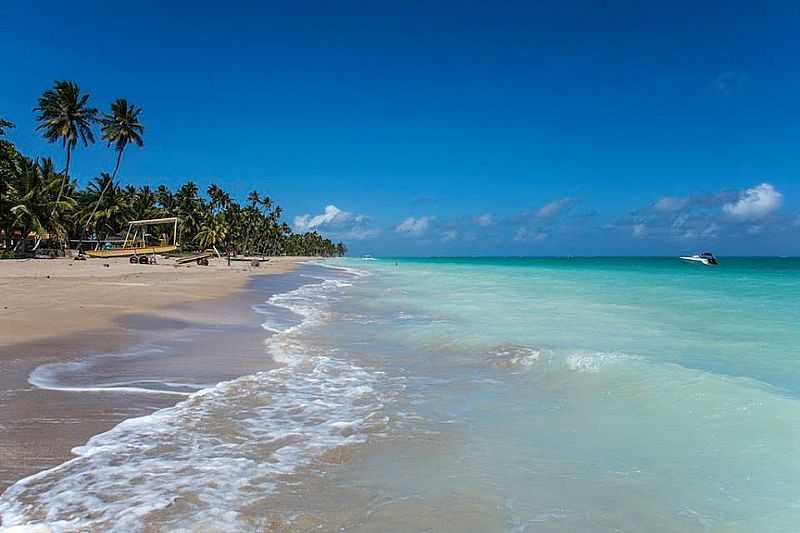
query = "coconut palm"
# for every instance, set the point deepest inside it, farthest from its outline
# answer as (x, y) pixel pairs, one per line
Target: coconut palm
(4, 124)
(120, 128)
(34, 191)
(143, 204)
(214, 231)
(64, 115)
(11, 162)
(190, 209)
(165, 198)
(111, 213)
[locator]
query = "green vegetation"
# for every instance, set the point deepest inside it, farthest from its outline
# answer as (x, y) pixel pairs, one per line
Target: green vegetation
(35, 198)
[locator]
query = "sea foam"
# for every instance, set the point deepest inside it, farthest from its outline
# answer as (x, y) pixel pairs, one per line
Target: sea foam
(198, 463)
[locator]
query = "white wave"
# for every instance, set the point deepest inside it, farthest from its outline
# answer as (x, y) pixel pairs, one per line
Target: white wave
(350, 270)
(514, 356)
(593, 361)
(46, 377)
(197, 464)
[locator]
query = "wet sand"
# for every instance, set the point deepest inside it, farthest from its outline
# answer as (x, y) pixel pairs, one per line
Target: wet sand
(86, 308)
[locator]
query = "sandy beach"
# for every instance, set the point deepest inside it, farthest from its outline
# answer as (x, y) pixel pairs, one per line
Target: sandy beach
(59, 310)
(51, 298)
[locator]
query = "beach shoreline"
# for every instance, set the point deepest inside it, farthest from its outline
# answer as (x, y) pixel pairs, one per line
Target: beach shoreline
(60, 311)
(42, 298)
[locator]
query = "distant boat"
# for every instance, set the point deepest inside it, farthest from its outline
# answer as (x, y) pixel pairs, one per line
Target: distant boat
(367, 258)
(706, 258)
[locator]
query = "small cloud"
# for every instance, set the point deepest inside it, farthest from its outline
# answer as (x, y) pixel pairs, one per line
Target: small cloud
(687, 227)
(336, 223)
(360, 233)
(668, 204)
(754, 230)
(485, 220)
(331, 216)
(754, 203)
(449, 235)
(553, 208)
(639, 231)
(414, 226)
(525, 234)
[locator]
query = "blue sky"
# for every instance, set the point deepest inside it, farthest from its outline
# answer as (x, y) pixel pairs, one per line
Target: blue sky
(435, 128)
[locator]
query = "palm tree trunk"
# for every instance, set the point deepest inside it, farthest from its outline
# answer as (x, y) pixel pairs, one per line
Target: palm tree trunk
(64, 179)
(100, 199)
(8, 238)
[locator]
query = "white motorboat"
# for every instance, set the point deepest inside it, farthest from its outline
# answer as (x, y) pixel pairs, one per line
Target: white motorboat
(706, 258)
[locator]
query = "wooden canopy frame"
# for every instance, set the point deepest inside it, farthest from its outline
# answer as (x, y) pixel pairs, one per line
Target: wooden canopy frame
(134, 226)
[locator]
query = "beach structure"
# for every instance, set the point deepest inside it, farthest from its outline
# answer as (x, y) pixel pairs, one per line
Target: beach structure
(139, 242)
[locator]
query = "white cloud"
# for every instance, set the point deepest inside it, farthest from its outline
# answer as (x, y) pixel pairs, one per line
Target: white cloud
(670, 203)
(684, 227)
(414, 226)
(754, 230)
(755, 203)
(639, 231)
(525, 234)
(332, 216)
(485, 220)
(336, 223)
(360, 233)
(449, 235)
(553, 208)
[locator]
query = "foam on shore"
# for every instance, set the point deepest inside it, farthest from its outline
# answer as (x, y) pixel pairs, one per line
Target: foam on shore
(197, 464)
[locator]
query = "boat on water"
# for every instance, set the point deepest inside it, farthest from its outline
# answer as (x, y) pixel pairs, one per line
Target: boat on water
(139, 242)
(706, 258)
(367, 258)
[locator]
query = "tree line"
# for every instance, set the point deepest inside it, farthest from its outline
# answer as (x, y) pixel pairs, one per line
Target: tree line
(38, 199)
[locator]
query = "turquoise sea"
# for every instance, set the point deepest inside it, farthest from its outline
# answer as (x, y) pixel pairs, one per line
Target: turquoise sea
(470, 394)
(593, 394)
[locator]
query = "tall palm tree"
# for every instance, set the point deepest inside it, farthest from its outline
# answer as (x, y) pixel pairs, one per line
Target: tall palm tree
(120, 128)
(64, 115)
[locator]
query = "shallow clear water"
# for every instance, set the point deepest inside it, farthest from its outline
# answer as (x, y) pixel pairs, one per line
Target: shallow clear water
(588, 394)
(475, 395)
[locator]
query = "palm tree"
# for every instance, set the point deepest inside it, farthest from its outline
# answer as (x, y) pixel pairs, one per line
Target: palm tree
(5, 124)
(165, 198)
(213, 232)
(34, 196)
(122, 127)
(119, 128)
(143, 204)
(64, 115)
(190, 208)
(111, 213)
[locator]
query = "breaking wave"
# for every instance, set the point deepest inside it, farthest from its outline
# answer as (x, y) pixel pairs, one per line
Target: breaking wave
(201, 462)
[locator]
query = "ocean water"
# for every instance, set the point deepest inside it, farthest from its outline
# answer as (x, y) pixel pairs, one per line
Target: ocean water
(585, 394)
